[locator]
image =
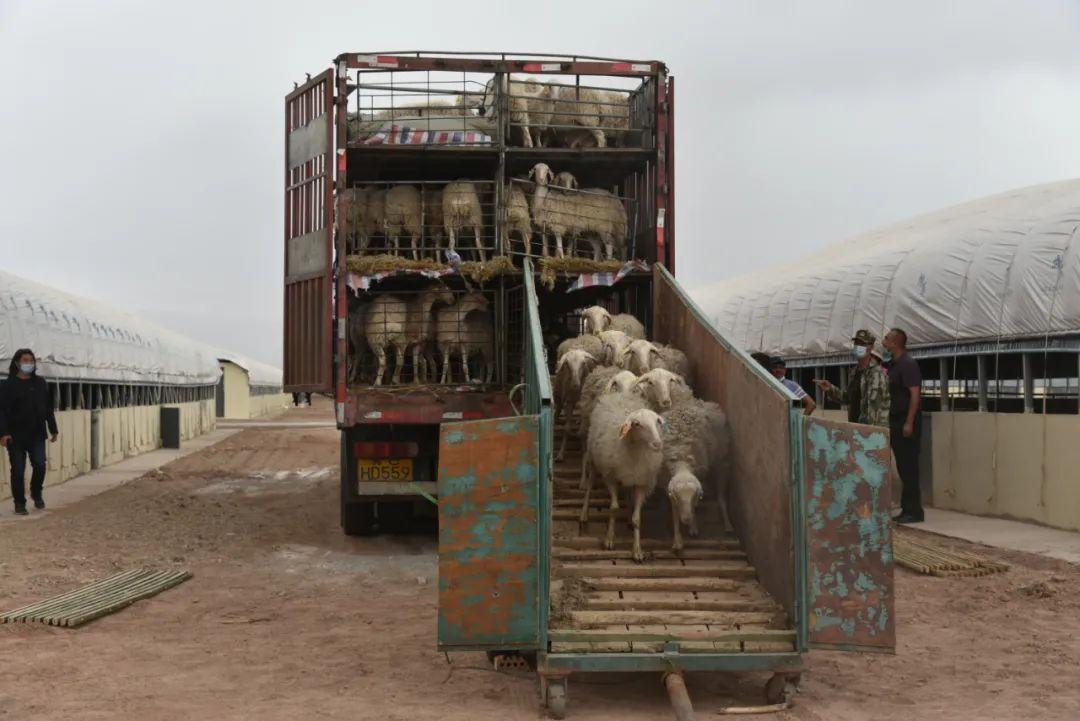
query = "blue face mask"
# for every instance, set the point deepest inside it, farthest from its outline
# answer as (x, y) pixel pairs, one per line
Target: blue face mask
(886, 355)
(859, 351)
(27, 368)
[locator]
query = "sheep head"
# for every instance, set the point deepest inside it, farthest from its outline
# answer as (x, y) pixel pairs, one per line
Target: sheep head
(640, 356)
(613, 342)
(566, 180)
(438, 293)
(643, 427)
(597, 318)
(541, 173)
(655, 386)
(620, 382)
(685, 491)
(578, 363)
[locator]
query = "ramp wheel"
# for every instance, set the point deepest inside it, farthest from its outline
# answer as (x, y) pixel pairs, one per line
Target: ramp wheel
(781, 688)
(555, 698)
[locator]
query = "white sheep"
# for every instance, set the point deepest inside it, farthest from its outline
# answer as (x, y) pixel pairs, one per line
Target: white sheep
(589, 109)
(624, 448)
(696, 446)
(602, 221)
(570, 373)
(553, 210)
(662, 389)
(565, 179)
(518, 218)
(613, 343)
(600, 381)
(454, 336)
(461, 210)
(591, 344)
(420, 328)
(400, 324)
(598, 319)
(673, 360)
(530, 105)
(403, 216)
(433, 218)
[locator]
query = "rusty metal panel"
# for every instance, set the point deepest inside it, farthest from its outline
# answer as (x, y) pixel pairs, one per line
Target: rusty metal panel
(308, 352)
(489, 534)
(849, 536)
(760, 494)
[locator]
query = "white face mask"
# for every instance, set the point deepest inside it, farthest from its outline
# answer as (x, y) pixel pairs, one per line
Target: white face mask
(859, 351)
(26, 368)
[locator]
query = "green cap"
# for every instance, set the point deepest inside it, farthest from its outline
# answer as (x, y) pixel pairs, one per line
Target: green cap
(864, 337)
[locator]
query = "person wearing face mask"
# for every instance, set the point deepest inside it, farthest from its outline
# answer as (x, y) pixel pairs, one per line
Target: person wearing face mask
(867, 393)
(26, 411)
(905, 382)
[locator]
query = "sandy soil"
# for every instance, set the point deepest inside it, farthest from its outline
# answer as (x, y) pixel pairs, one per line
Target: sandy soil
(287, 619)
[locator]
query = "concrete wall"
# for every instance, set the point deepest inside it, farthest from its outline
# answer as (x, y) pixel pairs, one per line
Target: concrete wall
(123, 432)
(1023, 466)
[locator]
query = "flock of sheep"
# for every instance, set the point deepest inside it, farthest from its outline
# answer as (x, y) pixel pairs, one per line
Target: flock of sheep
(552, 205)
(433, 325)
(639, 422)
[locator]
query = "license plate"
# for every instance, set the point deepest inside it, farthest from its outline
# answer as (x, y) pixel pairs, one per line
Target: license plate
(389, 469)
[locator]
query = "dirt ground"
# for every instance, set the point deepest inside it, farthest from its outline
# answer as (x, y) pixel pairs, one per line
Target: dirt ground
(288, 619)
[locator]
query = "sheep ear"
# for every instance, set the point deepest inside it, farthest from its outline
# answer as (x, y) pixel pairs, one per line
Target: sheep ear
(532, 172)
(624, 429)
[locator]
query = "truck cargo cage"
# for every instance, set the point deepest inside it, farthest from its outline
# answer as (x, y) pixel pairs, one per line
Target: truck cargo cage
(406, 219)
(404, 334)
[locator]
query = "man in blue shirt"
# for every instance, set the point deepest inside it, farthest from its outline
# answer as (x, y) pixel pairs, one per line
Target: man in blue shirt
(778, 368)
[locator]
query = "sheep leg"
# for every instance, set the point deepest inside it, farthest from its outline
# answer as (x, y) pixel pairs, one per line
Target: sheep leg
(677, 542)
(558, 246)
(609, 540)
(380, 354)
(465, 362)
(639, 501)
(416, 365)
(692, 528)
(451, 243)
(526, 135)
(479, 242)
(445, 363)
(586, 483)
(601, 141)
(543, 242)
(399, 358)
(415, 247)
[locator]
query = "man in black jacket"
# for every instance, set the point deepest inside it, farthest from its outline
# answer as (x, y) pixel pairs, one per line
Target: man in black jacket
(26, 410)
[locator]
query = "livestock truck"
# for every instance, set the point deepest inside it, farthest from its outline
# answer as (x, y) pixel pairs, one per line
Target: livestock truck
(440, 360)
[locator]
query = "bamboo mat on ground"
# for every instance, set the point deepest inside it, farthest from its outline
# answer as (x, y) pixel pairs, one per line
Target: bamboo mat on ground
(97, 599)
(924, 556)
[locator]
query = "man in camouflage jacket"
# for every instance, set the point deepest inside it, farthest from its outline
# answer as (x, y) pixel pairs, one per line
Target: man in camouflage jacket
(867, 393)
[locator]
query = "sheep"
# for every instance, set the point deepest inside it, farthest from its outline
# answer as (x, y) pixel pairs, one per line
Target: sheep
(566, 180)
(433, 217)
(695, 444)
(420, 327)
(570, 373)
(662, 389)
(640, 356)
(624, 448)
(461, 209)
(530, 106)
(452, 333)
(403, 217)
(589, 109)
(591, 344)
(518, 218)
(392, 321)
(602, 221)
(600, 381)
(673, 360)
(613, 343)
(598, 319)
(552, 209)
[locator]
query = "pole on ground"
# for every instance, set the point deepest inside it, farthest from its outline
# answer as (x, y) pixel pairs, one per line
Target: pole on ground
(680, 699)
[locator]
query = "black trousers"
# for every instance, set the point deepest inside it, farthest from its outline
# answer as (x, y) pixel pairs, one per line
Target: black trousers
(17, 453)
(906, 453)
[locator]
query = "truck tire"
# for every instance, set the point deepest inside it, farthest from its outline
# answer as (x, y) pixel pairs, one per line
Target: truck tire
(358, 518)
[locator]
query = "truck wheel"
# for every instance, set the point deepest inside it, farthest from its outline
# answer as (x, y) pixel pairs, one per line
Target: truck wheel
(358, 519)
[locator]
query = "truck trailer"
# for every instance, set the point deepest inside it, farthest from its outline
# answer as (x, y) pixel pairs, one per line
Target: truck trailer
(421, 296)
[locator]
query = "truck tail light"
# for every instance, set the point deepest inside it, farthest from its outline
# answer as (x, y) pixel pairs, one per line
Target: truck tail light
(386, 449)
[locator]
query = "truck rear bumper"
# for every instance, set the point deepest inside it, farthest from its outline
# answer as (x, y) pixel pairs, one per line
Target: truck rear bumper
(376, 489)
(421, 407)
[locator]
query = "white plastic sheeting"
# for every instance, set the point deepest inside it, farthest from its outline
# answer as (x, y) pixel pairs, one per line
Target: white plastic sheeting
(1002, 267)
(259, 374)
(76, 339)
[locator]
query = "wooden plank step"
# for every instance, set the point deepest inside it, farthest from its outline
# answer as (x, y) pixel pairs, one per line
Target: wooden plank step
(579, 635)
(660, 585)
(698, 554)
(733, 603)
(560, 502)
(604, 570)
(649, 544)
(595, 515)
(669, 618)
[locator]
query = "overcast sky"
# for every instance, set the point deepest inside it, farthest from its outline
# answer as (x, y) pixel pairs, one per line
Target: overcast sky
(143, 141)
